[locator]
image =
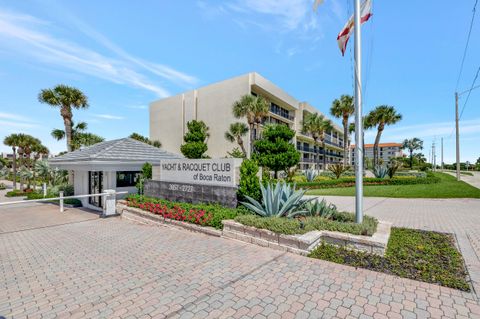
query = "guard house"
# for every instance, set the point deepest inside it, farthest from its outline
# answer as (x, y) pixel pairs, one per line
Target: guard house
(113, 165)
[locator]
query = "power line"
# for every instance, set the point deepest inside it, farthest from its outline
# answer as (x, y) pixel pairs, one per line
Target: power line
(469, 92)
(466, 46)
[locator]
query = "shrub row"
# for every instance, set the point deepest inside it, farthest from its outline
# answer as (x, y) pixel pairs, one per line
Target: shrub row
(341, 222)
(415, 254)
(202, 214)
(69, 201)
(348, 182)
(18, 193)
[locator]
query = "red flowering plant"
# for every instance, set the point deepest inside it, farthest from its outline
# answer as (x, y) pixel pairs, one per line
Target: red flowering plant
(172, 210)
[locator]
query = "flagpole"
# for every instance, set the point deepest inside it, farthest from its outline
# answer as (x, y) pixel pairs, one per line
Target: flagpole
(358, 116)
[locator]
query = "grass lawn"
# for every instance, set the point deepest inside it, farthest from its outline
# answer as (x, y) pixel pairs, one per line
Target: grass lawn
(416, 254)
(448, 187)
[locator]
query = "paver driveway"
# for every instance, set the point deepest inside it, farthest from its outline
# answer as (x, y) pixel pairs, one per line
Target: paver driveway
(106, 268)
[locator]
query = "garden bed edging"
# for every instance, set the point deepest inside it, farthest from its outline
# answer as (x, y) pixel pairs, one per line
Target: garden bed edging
(298, 244)
(305, 243)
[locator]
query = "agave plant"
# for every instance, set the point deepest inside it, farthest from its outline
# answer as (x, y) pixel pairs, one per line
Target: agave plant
(310, 174)
(380, 171)
(281, 200)
(320, 209)
(338, 169)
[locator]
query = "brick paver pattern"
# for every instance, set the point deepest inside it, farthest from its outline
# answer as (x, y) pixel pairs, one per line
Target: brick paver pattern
(460, 216)
(109, 268)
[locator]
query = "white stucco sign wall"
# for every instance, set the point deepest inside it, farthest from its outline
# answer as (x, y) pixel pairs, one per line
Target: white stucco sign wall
(218, 172)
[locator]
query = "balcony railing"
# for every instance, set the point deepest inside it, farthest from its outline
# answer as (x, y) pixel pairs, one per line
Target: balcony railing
(321, 152)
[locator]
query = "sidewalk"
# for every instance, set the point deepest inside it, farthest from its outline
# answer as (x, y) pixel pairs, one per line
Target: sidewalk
(472, 180)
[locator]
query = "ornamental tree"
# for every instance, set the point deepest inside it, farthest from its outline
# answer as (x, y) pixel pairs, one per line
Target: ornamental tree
(275, 149)
(195, 140)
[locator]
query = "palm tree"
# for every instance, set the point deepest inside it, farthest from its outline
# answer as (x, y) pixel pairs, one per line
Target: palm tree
(43, 170)
(344, 108)
(235, 133)
(310, 125)
(13, 140)
(325, 126)
(317, 125)
(39, 150)
(380, 117)
(27, 145)
(412, 145)
(145, 139)
(254, 109)
(80, 138)
(65, 97)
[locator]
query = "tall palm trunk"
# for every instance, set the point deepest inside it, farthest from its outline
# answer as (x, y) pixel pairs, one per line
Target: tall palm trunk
(22, 163)
(242, 147)
(252, 137)
(324, 155)
(345, 140)
(67, 121)
(14, 167)
(375, 146)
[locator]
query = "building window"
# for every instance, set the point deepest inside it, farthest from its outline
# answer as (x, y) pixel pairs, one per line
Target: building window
(127, 179)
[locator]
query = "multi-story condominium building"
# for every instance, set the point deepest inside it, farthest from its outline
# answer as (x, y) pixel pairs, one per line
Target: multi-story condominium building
(386, 151)
(212, 104)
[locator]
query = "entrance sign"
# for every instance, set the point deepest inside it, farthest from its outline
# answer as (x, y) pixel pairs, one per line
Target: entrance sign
(196, 180)
(214, 172)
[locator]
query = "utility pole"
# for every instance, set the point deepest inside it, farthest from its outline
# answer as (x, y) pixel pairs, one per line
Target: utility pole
(434, 156)
(457, 137)
(441, 157)
(431, 155)
(358, 116)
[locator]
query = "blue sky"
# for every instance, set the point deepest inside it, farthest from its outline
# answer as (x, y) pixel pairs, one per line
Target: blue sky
(125, 54)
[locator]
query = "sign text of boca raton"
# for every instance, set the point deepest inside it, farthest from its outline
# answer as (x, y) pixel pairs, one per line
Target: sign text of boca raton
(221, 172)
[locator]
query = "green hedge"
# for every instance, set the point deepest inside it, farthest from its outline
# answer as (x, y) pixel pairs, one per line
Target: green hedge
(348, 182)
(416, 254)
(17, 193)
(341, 222)
(218, 212)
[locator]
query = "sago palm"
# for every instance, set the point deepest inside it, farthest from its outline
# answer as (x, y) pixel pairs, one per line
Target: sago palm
(66, 98)
(412, 145)
(13, 140)
(344, 108)
(235, 133)
(380, 117)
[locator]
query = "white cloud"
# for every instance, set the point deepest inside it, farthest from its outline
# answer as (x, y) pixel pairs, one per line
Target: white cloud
(14, 117)
(25, 37)
(109, 116)
(155, 68)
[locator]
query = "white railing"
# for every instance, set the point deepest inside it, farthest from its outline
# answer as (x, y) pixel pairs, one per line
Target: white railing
(108, 197)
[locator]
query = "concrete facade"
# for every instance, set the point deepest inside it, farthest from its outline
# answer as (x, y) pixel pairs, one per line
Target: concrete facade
(212, 104)
(386, 151)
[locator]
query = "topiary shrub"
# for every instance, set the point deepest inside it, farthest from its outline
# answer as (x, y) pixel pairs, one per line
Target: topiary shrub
(299, 179)
(249, 182)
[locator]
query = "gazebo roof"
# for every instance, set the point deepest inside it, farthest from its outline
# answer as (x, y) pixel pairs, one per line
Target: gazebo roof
(124, 150)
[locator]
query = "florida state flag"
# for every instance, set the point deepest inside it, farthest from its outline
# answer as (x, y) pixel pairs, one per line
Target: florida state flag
(344, 35)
